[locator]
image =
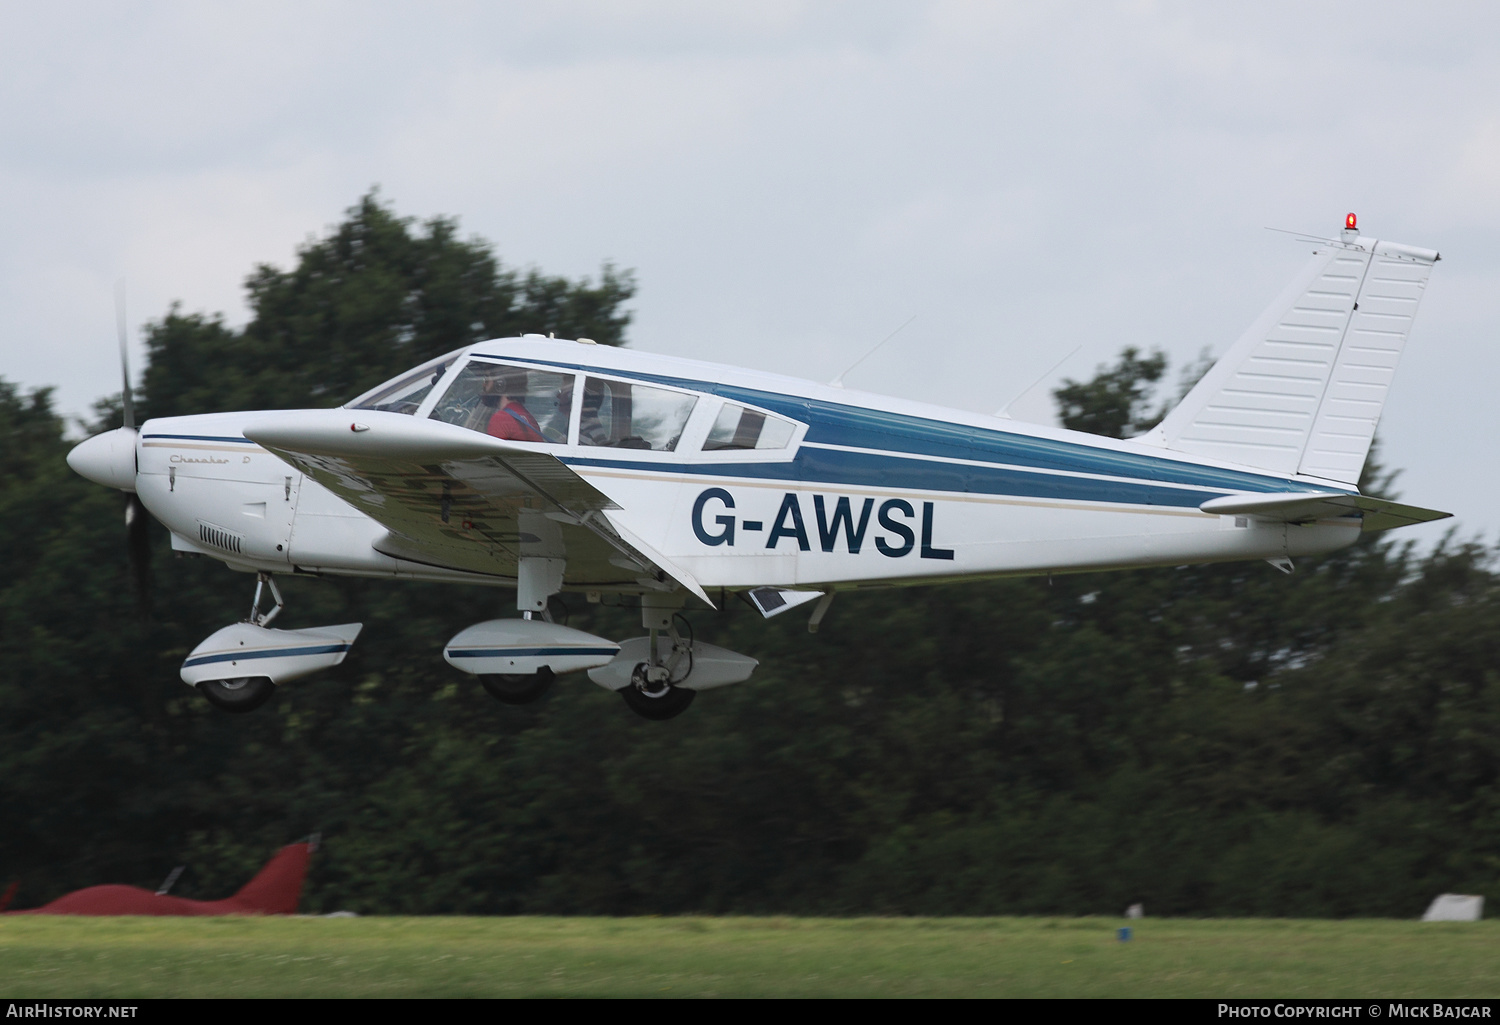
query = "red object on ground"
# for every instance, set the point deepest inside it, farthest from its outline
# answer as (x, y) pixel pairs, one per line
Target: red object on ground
(275, 890)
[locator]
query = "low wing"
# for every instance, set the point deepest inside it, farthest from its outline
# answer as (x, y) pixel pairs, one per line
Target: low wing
(455, 498)
(1306, 506)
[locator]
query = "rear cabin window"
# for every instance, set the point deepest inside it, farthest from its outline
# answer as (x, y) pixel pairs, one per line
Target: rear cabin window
(623, 414)
(738, 428)
(511, 403)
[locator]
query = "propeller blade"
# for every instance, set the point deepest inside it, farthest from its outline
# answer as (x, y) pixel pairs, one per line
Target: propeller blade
(139, 542)
(124, 356)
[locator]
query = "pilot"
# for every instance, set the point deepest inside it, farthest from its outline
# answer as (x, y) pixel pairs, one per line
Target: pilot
(511, 421)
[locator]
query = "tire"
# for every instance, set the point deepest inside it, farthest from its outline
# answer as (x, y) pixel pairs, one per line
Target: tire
(517, 689)
(669, 706)
(239, 695)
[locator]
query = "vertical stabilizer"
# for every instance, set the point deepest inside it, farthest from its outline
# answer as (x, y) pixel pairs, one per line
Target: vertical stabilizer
(276, 888)
(1302, 390)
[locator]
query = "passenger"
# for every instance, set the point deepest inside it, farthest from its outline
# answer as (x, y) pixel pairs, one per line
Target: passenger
(591, 429)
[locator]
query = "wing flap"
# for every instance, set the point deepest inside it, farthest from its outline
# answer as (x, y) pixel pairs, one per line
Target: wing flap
(660, 561)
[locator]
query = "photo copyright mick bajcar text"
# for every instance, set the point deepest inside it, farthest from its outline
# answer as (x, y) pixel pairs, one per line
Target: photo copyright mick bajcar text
(1373, 1009)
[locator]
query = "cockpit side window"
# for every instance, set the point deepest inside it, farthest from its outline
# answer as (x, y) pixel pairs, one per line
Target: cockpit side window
(509, 402)
(623, 414)
(738, 428)
(406, 393)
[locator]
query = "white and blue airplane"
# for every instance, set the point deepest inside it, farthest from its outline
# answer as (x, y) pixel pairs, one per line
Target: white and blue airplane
(546, 465)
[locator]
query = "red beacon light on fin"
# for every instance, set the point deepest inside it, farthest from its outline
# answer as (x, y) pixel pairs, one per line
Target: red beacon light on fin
(1351, 223)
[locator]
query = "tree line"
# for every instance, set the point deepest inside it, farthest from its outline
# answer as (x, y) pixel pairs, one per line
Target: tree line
(1219, 740)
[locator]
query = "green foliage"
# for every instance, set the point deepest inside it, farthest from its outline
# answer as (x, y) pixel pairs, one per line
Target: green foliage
(1114, 402)
(1210, 740)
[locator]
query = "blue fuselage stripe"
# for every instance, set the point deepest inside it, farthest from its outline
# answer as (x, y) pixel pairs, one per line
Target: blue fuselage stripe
(814, 466)
(526, 652)
(198, 437)
(236, 656)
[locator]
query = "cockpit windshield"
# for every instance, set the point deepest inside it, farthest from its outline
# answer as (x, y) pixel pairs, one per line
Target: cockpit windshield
(405, 393)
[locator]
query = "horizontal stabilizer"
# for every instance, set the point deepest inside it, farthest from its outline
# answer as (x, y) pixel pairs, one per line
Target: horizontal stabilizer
(1307, 506)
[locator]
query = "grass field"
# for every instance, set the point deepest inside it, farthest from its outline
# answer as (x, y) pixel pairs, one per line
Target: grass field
(400, 957)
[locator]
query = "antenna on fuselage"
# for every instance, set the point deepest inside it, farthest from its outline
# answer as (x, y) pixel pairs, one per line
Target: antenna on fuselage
(1304, 236)
(1005, 409)
(838, 382)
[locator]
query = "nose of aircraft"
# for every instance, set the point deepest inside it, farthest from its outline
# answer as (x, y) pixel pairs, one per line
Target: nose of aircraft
(107, 458)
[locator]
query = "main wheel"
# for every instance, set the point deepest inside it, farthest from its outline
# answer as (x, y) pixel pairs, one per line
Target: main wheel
(517, 688)
(239, 695)
(669, 704)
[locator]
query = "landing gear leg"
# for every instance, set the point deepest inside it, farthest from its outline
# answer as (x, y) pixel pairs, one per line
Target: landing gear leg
(262, 581)
(654, 691)
(537, 580)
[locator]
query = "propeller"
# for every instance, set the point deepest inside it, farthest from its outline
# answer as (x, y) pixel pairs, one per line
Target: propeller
(139, 543)
(125, 397)
(137, 520)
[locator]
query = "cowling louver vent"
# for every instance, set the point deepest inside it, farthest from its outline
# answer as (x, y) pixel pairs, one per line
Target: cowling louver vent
(221, 538)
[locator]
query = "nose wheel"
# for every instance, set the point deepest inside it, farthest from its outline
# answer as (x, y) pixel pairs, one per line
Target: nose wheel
(241, 694)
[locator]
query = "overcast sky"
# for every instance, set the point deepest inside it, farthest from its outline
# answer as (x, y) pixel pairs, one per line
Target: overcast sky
(790, 181)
